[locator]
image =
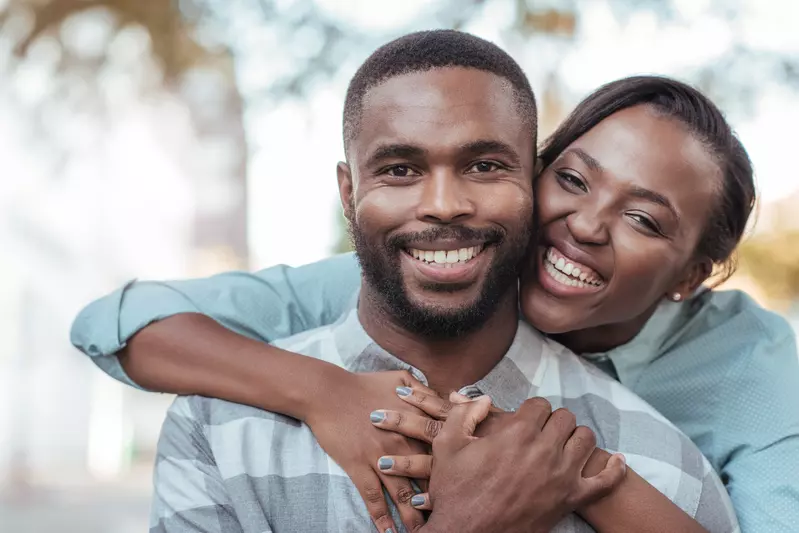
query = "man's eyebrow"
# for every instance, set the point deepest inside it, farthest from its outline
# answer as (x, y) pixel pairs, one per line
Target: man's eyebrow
(654, 197)
(395, 151)
(476, 148)
(589, 161)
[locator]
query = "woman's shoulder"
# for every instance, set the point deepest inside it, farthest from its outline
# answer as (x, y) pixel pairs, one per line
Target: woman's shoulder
(733, 325)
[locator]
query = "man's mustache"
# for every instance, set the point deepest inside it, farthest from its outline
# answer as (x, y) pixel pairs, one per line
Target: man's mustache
(455, 233)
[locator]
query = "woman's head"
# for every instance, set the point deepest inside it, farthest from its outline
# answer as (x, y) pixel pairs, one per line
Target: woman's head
(645, 189)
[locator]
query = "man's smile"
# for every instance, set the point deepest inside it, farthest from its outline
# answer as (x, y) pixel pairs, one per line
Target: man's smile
(448, 262)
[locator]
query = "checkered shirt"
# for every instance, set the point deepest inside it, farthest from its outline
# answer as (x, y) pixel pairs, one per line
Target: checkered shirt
(228, 468)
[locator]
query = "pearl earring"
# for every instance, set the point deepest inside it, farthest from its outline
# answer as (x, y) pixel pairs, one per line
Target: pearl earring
(677, 297)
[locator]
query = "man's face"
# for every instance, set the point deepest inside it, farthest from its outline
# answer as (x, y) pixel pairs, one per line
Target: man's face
(438, 193)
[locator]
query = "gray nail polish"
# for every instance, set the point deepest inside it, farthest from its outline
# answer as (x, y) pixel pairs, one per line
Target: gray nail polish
(377, 417)
(404, 391)
(384, 463)
(389, 530)
(417, 500)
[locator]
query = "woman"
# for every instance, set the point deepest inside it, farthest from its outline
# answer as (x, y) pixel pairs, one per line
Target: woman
(643, 191)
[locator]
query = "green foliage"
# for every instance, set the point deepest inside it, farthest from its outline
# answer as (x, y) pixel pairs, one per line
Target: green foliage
(773, 261)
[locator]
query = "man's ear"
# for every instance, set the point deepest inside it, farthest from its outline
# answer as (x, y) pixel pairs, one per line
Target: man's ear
(346, 190)
(696, 274)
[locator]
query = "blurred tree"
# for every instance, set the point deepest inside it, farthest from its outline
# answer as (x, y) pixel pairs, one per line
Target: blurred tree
(773, 261)
(198, 44)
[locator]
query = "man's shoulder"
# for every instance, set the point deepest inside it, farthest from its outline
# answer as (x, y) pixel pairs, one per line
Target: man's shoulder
(204, 413)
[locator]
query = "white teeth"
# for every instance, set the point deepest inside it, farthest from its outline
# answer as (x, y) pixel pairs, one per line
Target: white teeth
(446, 258)
(569, 271)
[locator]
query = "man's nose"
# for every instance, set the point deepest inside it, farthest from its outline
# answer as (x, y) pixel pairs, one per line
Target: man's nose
(445, 199)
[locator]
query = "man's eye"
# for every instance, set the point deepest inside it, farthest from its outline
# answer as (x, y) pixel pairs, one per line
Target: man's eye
(484, 166)
(401, 171)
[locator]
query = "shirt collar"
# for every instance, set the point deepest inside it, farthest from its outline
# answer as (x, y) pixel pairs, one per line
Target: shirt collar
(655, 338)
(514, 379)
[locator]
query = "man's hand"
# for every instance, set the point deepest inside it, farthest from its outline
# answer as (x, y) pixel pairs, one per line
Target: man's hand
(525, 476)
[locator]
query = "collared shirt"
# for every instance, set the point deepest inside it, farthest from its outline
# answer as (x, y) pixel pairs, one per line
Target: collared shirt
(721, 368)
(266, 472)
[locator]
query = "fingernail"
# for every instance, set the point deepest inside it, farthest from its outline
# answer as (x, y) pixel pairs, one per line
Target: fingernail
(404, 391)
(377, 416)
(389, 530)
(384, 463)
(417, 500)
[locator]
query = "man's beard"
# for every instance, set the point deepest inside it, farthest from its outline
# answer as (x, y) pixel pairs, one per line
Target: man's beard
(381, 270)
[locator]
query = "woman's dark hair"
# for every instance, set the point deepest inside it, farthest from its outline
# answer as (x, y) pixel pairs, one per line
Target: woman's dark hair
(728, 218)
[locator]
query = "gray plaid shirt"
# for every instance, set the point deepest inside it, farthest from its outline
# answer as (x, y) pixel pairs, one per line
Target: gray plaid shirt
(229, 468)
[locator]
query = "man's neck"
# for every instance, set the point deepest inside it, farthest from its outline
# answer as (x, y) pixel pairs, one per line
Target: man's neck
(448, 364)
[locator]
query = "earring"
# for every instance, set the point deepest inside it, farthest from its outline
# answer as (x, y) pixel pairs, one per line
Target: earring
(676, 297)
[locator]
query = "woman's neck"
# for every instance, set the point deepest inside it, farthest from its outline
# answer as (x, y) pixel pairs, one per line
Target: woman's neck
(606, 337)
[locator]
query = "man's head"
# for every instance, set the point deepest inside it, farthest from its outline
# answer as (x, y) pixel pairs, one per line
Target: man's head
(439, 129)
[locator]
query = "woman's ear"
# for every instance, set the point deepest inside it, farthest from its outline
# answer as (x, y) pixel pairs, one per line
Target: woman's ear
(696, 274)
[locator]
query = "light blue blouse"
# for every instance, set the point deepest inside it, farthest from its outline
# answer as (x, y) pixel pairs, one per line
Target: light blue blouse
(720, 367)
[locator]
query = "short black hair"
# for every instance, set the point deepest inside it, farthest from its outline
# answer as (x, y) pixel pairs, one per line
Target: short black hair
(728, 217)
(427, 50)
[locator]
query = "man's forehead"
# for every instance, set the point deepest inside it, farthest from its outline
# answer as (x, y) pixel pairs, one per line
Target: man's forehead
(442, 106)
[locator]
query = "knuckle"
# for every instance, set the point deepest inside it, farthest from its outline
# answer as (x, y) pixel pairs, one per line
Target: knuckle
(406, 465)
(398, 419)
(406, 377)
(540, 404)
(432, 428)
(444, 409)
(566, 417)
(404, 495)
(585, 436)
(374, 495)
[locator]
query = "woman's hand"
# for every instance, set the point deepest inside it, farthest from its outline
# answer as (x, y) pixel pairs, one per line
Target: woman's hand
(341, 416)
(578, 445)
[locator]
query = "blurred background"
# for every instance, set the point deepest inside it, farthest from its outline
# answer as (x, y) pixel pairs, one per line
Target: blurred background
(169, 139)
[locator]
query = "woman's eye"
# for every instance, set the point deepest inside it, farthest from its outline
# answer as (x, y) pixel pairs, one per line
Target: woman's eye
(645, 222)
(571, 181)
(484, 166)
(401, 171)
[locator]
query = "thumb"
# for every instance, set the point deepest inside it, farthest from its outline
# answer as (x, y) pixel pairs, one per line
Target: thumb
(456, 397)
(459, 428)
(596, 487)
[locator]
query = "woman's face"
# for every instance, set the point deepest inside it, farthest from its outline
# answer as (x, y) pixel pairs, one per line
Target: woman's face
(620, 213)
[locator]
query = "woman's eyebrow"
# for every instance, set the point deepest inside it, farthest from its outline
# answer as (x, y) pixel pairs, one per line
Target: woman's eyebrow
(654, 197)
(587, 158)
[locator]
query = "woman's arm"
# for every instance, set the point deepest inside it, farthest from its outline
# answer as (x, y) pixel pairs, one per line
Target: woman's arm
(633, 506)
(271, 304)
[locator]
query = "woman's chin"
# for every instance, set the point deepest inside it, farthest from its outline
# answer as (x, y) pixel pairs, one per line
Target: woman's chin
(545, 317)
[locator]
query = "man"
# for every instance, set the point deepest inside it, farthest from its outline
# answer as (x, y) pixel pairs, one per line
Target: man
(440, 140)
